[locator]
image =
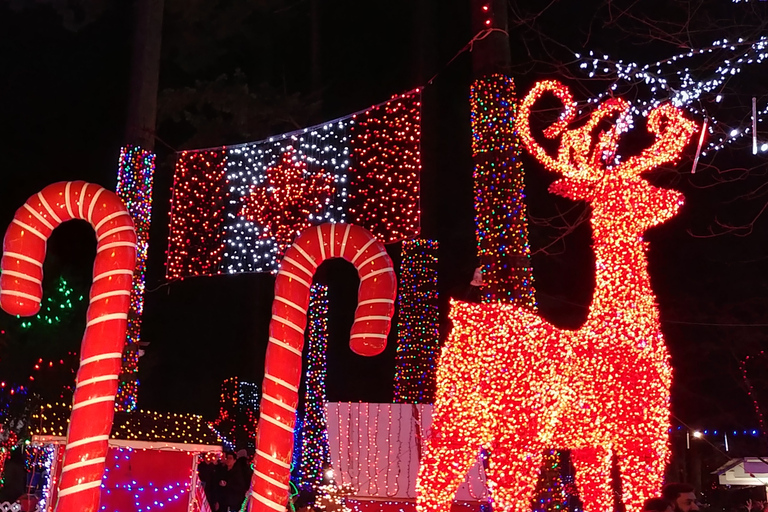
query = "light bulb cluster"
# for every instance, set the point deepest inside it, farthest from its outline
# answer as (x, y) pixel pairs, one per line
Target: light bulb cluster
(44, 371)
(238, 418)
(380, 505)
(743, 365)
(510, 381)
(135, 175)
(370, 447)
(139, 425)
(333, 498)
(487, 14)
(39, 460)
(385, 184)
(54, 308)
(8, 440)
(314, 448)
(685, 82)
(550, 492)
(418, 338)
(236, 208)
(13, 404)
(499, 189)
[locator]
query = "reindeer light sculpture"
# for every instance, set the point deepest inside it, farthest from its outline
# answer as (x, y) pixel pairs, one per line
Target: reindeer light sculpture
(510, 381)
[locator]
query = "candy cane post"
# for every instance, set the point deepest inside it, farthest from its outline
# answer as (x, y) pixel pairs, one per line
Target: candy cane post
(282, 369)
(101, 351)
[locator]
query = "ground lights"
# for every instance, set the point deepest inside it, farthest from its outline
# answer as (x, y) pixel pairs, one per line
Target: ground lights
(236, 208)
(511, 382)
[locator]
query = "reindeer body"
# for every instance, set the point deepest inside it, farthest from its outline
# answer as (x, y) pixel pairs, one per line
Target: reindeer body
(510, 381)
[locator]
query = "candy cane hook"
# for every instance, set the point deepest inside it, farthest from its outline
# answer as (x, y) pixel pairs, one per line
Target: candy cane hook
(101, 351)
(282, 368)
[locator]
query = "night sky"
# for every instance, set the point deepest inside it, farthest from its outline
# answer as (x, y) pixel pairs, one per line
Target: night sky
(62, 114)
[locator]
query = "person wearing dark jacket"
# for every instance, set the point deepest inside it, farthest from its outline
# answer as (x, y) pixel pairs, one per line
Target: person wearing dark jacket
(231, 485)
(243, 463)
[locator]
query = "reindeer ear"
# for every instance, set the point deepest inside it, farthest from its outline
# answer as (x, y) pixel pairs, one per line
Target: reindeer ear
(577, 190)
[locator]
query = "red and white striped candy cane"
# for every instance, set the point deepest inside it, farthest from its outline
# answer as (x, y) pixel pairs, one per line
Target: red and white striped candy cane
(282, 368)
(101, 351)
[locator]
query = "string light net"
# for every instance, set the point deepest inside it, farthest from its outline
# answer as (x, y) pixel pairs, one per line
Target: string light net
(237, 208)
(53, 419)
(550, 492)
(134, 186)
(314, 449)
(141, 477)
(500, 215)
(418, 337)
(701, 80)
(510, 381)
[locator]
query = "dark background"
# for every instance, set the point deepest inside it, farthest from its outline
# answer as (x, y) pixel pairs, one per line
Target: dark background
(64, 80)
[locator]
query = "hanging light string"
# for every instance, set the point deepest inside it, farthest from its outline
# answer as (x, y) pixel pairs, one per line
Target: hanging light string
(665, 80)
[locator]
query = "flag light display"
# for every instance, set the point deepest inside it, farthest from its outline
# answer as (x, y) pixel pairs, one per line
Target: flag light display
(314, 450)
(500, 216)
(510, 381)
(236, 208)
(417, 330)
(135, 174)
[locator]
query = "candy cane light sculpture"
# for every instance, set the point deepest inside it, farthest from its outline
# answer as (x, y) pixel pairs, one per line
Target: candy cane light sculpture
(21, 291)
(282, 368)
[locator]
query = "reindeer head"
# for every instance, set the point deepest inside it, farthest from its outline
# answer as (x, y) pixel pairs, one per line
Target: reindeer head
(587, 154)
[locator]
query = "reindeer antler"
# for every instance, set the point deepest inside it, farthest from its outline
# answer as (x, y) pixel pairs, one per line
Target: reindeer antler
(578, 157)
(524, 112)
(672, 130)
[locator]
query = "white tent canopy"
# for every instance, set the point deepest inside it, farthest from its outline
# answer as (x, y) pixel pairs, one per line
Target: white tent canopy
(750, 471)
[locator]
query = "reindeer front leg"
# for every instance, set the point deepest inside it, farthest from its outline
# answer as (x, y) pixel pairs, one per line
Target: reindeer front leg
(449, 453)
(516, 456)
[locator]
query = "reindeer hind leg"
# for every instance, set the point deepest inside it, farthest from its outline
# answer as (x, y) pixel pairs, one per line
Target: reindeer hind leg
(593, 478)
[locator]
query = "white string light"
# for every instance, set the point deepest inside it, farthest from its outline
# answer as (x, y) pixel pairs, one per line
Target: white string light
(665, 80)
